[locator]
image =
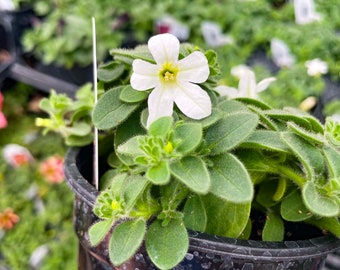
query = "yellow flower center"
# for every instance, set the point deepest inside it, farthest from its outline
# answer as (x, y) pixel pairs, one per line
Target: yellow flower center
(168, 76)
(168, 72)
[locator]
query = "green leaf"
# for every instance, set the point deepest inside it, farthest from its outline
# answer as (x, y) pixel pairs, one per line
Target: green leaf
(230, 131)
(131, 95)
(159, 174)
(293, 207)
(319, 204)
(131, 147)
(266, 139)
(265, 193)
(195, 217)
(189, 136)
(331, 224)
(225, 218)
(126, 238)
(110, 71)
(73, 140)
(254, 102)
(161, 126)
(124, 132)
(309, 155)
(232, 106)
(273, 228)
(332, 157)
(167, 245)
(128, 55)
(192, 171)
(230, 179)
(99, 230)
(110, 111)
(133, 189)
(307, 135)
(79, 129)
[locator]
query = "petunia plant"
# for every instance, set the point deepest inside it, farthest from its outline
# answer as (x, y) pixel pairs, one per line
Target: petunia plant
(186, 158)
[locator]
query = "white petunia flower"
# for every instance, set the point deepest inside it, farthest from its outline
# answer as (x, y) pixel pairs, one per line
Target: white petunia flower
(316, 67)
(247, 86)
(172, 80)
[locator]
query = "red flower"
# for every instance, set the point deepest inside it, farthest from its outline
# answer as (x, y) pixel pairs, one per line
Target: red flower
(52, 169)
(3, 120)
(8, 219)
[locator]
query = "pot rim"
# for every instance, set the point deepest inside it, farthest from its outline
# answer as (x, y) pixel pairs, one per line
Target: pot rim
(284, 250)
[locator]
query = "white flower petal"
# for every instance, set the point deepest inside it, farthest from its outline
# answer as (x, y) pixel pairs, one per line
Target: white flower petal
(193, 68)
(239, 71)
(164, 48)
(247, 85)
(262, 85)
(193, 101)
(144, 76)
(160, 103)
(224, 90)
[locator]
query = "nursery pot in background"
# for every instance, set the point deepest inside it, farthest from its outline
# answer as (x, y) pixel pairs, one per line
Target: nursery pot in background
(205, 251)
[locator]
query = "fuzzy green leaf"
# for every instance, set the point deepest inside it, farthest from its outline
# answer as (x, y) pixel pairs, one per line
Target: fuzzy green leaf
(230, 131)
(126, 238)
(167, 245)
(128, 55)
(131, 95)
(331, 224)
(189, 136)
(133, 189)
(161, 126)
(266, 139)
(195, 217)
(230, 179)
(159, 174)
(293, 207)
(192, 171)
(273, 229)
(319, 204)
(131, 147)
(110, 71)
(225, 218)
(98, 231)
(332, 157)
(310, 156)
(307, 135)
(110, 111)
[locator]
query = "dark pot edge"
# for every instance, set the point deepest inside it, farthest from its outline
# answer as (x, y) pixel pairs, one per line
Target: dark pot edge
(286, 250)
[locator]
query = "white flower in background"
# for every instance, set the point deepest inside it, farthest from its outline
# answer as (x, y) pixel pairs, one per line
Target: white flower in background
(316, 67)
(172, 80)
(247, 86)
(305, 12)
(168, 24)
(213, 35)
(336, 118)
(281, 54)
(239, 71)
(16, 155)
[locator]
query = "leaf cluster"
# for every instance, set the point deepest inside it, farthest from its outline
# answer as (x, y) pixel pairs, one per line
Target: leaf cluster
(210, 174)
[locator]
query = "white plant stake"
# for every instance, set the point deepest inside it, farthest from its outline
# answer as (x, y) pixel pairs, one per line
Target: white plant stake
(95, 143)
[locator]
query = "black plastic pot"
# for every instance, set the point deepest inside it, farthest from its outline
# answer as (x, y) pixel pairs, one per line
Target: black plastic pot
(205, 251)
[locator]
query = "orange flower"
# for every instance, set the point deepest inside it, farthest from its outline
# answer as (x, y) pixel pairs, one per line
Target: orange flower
(52, 169)
(8, 219)
(17, 155)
